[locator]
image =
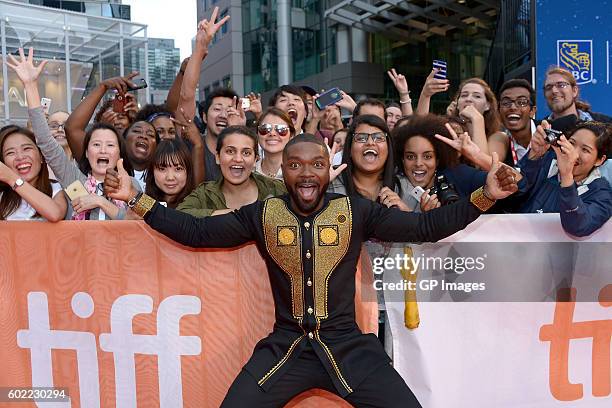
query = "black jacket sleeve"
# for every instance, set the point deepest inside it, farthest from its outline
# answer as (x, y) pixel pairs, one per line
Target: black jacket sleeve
(393, 225)
(221, 231)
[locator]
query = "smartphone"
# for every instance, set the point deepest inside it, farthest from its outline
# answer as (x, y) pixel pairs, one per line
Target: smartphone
(441, 66)
(119, 103)
(46, 105)
(246, 103)
(140, 84)
(76, 190)
(417, 193)
(328, 98)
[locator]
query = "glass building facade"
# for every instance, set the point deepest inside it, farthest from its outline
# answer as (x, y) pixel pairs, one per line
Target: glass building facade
(82, 50)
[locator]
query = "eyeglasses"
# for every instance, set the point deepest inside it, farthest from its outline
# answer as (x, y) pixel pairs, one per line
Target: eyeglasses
(558, 85)
(266, 128)
(520, 102)
(57, 126)
(378, 137)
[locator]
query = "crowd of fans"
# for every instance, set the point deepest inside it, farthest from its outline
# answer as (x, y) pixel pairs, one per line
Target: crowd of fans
(214, 156)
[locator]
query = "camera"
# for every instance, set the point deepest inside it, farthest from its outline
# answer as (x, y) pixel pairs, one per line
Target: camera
(552, 136)
(445, 191)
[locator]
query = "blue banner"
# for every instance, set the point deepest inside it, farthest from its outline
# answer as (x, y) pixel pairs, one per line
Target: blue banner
(576, 35)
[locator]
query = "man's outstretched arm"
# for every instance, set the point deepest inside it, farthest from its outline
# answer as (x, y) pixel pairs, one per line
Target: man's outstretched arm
(222, 231)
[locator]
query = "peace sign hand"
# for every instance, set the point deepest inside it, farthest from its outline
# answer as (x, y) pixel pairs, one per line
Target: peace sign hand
(207, 29)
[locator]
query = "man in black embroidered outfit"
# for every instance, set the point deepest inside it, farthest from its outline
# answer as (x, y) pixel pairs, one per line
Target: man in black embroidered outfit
(311, 241)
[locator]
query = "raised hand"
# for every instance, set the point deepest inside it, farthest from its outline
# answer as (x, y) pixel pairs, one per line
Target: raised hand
(346, 102)
(255, 107)
(399, 81)
(121, 84)
(501, 180)
(434, 85)
(470, 114)
(235, 114)
(24, 66)
(538, 146)
(207, 29)
(462, 143)
(118, 184)
(333, 173)
(567, 156)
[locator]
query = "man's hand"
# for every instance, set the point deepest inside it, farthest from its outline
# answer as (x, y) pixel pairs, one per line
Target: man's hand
(235, 114)
(207, 30)
(118, 184)
(24, 67)
(255, 107)
(538, 146)
(501, 180)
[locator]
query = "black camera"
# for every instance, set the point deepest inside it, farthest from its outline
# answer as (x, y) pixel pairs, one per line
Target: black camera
(445, 191)
(552, 136)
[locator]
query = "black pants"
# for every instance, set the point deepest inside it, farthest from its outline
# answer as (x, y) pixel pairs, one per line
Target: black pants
(383, 388)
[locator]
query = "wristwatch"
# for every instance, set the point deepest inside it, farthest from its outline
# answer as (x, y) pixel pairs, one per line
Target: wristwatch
(18, 183)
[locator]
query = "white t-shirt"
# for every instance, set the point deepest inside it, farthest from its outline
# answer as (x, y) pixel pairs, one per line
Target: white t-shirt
(25, 212)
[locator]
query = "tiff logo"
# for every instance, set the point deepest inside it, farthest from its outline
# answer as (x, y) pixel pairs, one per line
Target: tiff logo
(168, 345)
(562, 331)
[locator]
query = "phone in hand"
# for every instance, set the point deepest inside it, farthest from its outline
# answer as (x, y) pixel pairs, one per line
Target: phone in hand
(46, 105)
(328, 98)
(417, 193)
(245, 103)
(76, 190)
(140, 84)
(119, 103)
(441, 66)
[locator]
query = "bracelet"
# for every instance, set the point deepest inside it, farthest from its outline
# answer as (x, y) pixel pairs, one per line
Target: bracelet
(406, 101)
(481, 201)
(143, 205)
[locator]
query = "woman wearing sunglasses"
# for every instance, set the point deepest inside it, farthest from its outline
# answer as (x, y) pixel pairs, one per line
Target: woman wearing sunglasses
(275, 129)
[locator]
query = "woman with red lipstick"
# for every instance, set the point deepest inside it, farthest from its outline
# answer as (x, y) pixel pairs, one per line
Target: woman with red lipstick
(25, 190)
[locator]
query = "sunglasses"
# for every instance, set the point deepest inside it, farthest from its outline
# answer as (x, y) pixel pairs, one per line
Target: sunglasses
(378, 137)
(266, 128)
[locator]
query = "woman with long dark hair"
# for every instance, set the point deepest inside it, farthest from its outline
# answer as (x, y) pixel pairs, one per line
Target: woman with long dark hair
(25, 190)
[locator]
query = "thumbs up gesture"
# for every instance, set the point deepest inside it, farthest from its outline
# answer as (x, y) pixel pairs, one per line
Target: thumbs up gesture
(118, 184)
(501, 180)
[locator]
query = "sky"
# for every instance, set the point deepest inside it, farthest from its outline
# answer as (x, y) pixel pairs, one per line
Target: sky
(176, 19)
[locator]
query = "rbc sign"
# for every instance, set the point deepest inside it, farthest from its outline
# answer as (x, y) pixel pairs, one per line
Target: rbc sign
(577, 37)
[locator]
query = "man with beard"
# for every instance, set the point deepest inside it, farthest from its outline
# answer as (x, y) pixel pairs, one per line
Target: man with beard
(517, 110)
(311, 241)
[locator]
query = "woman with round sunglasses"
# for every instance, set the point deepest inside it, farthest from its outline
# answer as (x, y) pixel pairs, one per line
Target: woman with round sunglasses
(275, 129)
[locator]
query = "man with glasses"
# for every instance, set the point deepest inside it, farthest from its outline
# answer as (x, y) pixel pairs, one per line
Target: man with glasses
(561, 92)
(517, 110)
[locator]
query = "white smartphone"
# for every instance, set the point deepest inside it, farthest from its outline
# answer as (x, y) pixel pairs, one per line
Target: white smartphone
(417, 192)
(46, 105)
(246, 103)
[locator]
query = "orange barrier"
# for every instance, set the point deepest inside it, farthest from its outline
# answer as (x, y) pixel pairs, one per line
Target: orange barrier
(119, 293)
